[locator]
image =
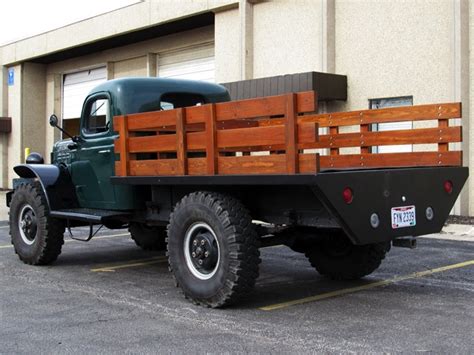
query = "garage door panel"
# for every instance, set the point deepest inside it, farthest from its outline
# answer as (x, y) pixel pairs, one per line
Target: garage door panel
(77, 86)
(193, 63)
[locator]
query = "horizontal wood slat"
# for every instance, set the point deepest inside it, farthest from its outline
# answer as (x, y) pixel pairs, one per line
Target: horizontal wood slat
(264, 106)
(243, 138)
(365, 161)
(367, 139)
(384, 115)
(261, 164)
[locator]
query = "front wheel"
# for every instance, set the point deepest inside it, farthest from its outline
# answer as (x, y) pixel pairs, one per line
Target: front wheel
(36, 237)
(212, 249)
(335, 256)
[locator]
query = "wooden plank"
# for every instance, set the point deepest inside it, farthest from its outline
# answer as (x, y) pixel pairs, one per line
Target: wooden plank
(383, 115)
(443, 124)
(156, 167)
(123, 150)
(364, 149)
(248, 139)
(263, 106)
(151, 144)
(261, 164)
(151, 120)
(365, 161)
(181, 153)
(211, 141)
(265, 164)
(408, 136)
(333, 132)
(291, 134)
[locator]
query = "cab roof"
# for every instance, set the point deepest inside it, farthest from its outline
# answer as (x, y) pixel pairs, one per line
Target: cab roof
(134, 95)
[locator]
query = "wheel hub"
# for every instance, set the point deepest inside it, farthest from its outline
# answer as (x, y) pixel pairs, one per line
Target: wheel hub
(27, 224)
(204, 251)
(201, 251)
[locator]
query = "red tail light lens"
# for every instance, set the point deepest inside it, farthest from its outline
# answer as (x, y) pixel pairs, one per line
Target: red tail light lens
(448, 186)
(347, 195)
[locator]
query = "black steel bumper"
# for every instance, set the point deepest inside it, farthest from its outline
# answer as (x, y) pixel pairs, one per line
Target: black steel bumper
(378, 191)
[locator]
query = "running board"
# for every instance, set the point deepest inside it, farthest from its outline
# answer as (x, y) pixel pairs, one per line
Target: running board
(89, 215)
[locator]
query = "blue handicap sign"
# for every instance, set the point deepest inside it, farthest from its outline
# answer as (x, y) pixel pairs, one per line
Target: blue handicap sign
(11, 76)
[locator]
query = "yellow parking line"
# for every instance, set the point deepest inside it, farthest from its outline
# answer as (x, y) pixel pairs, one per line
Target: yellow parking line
(72, 240)
(365, 287)
(132, 263)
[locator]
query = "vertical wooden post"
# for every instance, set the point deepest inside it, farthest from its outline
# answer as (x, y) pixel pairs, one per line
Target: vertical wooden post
(211, 141)
(291, 131)
(363, 129)
(333, 131)
(124, 154)
(443, 147)
(181, 151)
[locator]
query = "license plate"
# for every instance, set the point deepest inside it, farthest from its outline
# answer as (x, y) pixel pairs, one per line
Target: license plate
(403, 217)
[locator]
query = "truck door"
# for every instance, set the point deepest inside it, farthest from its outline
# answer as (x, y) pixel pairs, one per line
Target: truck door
(94, 163)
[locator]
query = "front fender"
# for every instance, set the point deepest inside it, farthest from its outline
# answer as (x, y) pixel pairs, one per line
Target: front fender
(55, 182)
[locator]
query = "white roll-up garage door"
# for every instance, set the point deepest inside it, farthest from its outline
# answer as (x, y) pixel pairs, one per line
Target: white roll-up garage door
(76, 87)
(194, 63)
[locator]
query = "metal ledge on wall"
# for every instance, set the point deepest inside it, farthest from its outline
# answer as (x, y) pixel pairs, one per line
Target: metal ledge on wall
(328, 86)
(5, 124)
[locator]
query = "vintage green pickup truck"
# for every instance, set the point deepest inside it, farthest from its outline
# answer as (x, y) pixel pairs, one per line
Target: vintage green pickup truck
(213, 180)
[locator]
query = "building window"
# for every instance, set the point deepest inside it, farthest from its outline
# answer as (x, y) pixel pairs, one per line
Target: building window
(392, 126)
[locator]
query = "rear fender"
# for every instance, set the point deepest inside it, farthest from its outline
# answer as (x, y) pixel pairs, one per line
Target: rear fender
(55, 182)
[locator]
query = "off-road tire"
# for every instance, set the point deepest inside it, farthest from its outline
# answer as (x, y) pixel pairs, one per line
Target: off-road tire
(148, 238)
(46, 246)
(237, 267)
(336, 257)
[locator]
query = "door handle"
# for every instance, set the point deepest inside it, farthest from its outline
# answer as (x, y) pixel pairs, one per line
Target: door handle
(103, 151)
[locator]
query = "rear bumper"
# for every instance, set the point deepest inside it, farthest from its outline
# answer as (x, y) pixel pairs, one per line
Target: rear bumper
(378, 191)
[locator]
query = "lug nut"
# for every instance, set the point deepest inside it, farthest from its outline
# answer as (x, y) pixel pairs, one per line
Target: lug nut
(200, 261)
(193, 254)
(206, 254)
(202, 242)
(195, 242)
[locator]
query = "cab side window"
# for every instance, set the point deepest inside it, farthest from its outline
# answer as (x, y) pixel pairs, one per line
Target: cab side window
(97, 119)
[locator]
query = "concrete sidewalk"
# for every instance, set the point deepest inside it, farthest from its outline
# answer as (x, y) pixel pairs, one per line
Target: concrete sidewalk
(449, 232)
(3, 206)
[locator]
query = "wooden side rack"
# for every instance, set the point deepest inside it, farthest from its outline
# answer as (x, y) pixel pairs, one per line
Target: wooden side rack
(277, 135)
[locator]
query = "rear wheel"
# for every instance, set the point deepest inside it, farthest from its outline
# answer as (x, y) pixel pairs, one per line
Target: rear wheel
(212, 248)
(148, 238)
(335, 256)
(36, 237)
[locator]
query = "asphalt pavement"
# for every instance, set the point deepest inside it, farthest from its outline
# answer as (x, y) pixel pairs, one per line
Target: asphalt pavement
(108, 296)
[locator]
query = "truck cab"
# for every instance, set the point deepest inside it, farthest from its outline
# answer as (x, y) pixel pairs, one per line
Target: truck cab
(91, 157)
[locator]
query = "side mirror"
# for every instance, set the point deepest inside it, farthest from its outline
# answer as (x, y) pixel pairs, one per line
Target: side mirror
(53, 120)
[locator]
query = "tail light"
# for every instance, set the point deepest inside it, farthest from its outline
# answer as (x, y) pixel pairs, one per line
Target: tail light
(448, 186)
(347, 195)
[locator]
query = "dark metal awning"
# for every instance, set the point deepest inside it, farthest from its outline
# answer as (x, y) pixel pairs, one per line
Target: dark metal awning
(328, 86)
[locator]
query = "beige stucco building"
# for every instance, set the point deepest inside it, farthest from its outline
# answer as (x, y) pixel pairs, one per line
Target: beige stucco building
(417, 50)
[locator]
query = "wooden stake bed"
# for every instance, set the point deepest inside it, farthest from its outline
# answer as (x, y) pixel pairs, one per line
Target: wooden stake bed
(276, 135)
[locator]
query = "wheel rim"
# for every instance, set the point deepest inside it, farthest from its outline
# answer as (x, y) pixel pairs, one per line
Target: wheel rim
(201, 251)
(27, 224)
